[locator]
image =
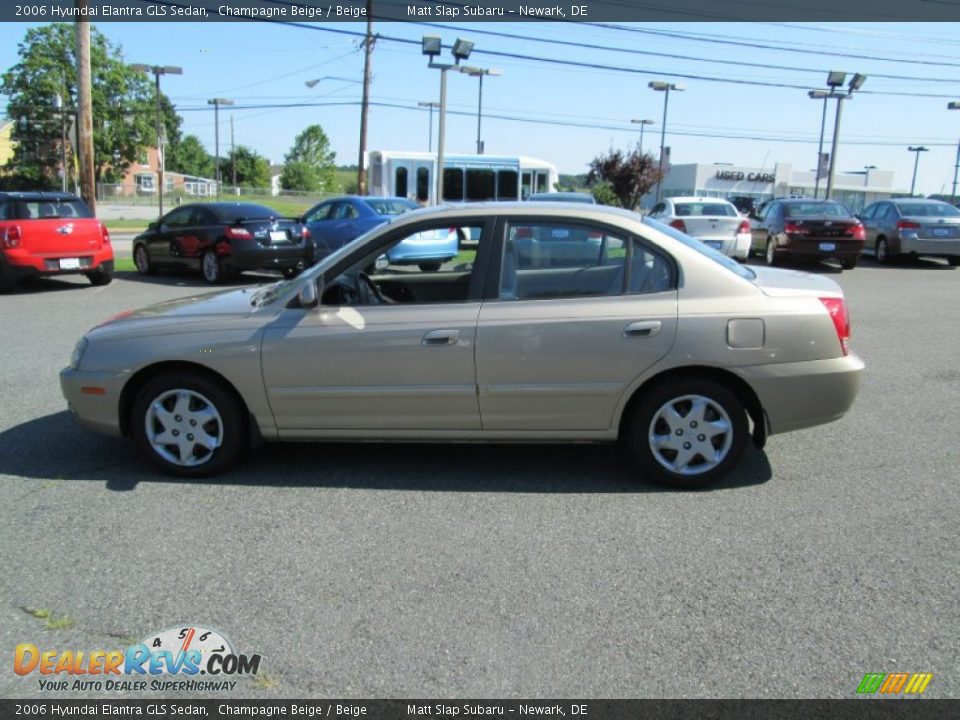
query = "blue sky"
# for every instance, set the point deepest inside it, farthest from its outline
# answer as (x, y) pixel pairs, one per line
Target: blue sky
(258, 63)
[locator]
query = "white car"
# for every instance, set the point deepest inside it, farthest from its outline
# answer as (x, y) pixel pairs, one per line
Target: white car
(713, 221)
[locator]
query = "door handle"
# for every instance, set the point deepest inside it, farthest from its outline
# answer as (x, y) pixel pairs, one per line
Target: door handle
(440, 338)
(642, 328)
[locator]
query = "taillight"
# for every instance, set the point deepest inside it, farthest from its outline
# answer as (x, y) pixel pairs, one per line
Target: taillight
(305, 233)
(104, 233)
(679, 225)
(744, 227)
(794, 228)
(837, 309)
(908, 225)
(857, 232)
(238, 233)
(11, 237)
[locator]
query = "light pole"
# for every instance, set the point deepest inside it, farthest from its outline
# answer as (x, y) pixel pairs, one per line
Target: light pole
(817, 95)
(157, 71)
(431, 104)
(642, 124)
(954, 105)
(479, 73)
(916, 161)
(431, 46)
(834, 80)
(58, 106)
(665, 88)
(217, 102)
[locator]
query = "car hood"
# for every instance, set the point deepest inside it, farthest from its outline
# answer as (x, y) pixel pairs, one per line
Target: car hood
(778, 282)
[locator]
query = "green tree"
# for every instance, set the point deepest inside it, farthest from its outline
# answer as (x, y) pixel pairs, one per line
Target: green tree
(188, 156)
(628, 176)
(310, 164)
(253, 170)
(124, 104)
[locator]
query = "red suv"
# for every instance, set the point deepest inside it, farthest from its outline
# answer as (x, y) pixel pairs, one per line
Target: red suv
(51, 233)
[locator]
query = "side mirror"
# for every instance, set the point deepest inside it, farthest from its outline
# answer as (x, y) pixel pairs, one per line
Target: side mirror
(310, 294)
(155, 225)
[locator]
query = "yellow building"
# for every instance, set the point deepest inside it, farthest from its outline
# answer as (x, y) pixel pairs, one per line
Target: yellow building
(6, 142)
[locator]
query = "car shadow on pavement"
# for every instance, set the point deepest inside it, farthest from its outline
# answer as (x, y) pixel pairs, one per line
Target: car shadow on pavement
(905, 263)
(55, 447)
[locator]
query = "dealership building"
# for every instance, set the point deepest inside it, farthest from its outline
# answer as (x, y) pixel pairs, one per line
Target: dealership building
(854, 189)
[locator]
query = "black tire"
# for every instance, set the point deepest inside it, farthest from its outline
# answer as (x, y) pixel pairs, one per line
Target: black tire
(141, 258)
(645, 419)
(233, 428)
(291, 272)
(103, 275)
(773, 258)
(953, 260)
(211, 269)
(429, 266)
(848, 263)
(881, 252)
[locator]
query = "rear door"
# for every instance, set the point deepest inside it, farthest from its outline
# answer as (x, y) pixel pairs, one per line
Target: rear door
(58, 228)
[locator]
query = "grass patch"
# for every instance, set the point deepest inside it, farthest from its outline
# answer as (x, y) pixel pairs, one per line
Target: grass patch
(124, 265)
(39, 613)
(65, 622)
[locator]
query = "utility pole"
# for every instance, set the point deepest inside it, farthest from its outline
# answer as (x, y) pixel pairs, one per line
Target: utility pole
(365, 105)
(88, 190)
(233, 155)
(217, 102)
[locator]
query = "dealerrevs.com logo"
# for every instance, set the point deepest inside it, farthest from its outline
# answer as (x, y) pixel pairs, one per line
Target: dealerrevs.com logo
(183, 653)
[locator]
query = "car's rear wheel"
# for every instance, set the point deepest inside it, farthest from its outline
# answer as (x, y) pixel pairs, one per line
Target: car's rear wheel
(954, 260)
(882, 252)
(211, 268)
(848, 263)
(429, 266)
(687, 433)
(772, 256)
(188, 424)
(141, 258)
(103, 275)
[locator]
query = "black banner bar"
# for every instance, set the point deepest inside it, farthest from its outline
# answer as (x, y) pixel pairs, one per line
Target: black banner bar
(854, 709)
(452, 11)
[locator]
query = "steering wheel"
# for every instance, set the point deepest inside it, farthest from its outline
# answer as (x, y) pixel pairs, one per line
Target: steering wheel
(369, 292)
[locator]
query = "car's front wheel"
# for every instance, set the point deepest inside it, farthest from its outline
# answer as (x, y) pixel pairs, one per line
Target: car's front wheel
(141, 258)
(687, 433)
(188, 424)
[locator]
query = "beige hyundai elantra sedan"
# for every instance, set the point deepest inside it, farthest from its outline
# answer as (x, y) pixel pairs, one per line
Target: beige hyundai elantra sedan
(555, 323)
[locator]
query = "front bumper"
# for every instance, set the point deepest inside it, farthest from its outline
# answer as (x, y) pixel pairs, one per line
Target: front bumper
(94, 398)
(804, 394)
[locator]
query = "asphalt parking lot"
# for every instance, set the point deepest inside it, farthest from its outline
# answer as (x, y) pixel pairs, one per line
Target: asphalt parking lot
(484, 571)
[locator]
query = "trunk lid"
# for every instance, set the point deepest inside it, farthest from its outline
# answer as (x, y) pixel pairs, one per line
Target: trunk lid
(712, 227)
(777, 282)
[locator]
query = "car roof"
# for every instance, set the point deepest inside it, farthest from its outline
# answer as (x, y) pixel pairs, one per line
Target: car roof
(29, 195)
(531, 208)
(692, 198)
(921, 201)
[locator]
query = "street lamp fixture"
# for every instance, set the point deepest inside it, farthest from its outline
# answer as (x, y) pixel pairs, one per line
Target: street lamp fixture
(665, 88)
(835, 78)
(432, 46)
(432, 105)
(313, 83)
(479, 73)
(217, 102)
(157, 71)
(834, 81)
(916, 161)
(642, 123)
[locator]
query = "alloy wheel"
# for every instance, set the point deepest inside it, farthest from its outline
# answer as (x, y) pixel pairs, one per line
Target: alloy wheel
(690, 435)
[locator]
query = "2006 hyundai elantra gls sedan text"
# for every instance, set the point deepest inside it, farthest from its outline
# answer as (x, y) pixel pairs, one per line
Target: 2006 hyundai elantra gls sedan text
(614, 327)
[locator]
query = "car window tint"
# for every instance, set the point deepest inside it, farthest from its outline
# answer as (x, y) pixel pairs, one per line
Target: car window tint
(928, 210)
(563, 260)
(178, 218)
(320, 212)
(6, 210)
(823, 209)
(53, 209)
(695, 209)
(344, 211)
(391, 207)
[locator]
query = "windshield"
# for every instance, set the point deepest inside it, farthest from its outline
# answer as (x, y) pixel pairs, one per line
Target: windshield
(928, 210)
(694, 209)
(816, 209)
(391, 207)
(718, 257)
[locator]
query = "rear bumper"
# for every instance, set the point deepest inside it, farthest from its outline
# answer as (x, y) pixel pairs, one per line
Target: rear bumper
(804, 394)
(737, 246)
(15, 266)
(930, 246)
(813, 247)
(98, 412)
(259, 257)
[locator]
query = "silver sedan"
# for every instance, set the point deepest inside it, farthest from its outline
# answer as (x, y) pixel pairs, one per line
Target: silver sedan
(619, 328)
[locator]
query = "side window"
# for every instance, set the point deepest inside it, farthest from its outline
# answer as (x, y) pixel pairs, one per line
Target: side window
(343, 211)
(422, 266)
(889, 212)
(320, 212)
(563, 260)
(423, 185)
(201, 217)
(6, 210)
(507, 185)
(400, 182)
(868, 212)
(178, 218)
(453, 184)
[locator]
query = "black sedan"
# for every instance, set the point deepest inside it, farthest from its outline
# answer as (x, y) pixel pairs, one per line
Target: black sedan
(224, 238)
(806, 228)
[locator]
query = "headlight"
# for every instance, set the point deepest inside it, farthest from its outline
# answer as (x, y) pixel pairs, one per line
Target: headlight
(79, 349)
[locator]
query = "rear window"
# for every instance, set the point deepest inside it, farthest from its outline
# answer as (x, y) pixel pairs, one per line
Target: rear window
(823, 209)
(391, 207)
(49, 209)
(928, 210)
(246, 211)
(732, 265)
(695, 209)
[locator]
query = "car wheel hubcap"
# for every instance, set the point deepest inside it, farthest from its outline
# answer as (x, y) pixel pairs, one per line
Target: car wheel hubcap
(881, 251)
(183, 427)
(210, 268)
(770, 252)
(143, 262)
(690, 435)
